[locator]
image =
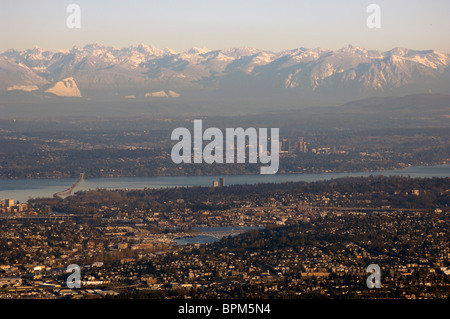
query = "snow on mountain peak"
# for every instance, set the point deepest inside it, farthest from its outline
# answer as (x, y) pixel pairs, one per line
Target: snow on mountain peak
(196, 50)
(65, 87)
(100, 67)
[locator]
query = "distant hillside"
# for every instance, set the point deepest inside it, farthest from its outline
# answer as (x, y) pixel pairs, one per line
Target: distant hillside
(417, 110)
(411, 111)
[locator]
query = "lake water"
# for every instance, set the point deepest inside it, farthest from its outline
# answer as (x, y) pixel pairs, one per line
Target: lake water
(23, 189)
(203, 239)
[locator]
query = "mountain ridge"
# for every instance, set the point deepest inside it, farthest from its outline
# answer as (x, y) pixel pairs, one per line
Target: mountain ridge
(246, 76)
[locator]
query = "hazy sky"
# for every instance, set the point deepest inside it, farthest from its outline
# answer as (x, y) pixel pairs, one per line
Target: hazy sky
(262, 24)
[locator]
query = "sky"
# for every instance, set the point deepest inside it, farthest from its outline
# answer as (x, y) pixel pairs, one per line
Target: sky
(262, 24)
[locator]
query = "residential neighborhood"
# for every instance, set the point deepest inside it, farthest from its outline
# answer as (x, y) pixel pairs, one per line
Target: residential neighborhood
(304, 240)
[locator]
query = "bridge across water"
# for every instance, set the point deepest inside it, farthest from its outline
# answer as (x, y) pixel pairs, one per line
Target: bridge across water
(71, 188)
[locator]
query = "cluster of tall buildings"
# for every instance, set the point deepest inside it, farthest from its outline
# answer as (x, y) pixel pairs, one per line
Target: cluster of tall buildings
(219, 183)
(8, 206)
(293, 145)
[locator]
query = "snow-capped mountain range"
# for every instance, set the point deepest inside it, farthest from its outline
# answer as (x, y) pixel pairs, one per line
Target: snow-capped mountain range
(293, 77)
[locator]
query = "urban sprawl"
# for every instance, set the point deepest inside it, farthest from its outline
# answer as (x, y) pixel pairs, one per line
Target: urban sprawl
(289, 240)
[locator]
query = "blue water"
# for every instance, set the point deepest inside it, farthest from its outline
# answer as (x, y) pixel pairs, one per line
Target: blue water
(23, 189)
(203, 239)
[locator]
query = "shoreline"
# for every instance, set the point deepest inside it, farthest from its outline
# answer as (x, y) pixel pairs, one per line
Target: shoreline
(23, 190)
(229, 175)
